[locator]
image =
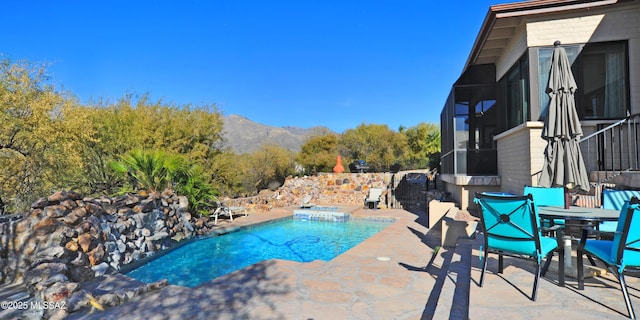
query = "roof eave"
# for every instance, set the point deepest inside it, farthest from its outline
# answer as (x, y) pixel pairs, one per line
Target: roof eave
(525, 8)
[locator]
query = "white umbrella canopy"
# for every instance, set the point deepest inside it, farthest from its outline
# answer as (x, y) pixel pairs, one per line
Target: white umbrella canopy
(564, 165)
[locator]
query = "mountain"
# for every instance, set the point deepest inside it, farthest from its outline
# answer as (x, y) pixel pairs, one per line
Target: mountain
(244, 136)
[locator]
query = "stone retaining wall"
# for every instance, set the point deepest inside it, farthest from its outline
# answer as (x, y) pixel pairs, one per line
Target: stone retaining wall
(325, 188)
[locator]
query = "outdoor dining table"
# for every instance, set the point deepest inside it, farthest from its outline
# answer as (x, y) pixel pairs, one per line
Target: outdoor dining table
(579, 216)
(573, 213)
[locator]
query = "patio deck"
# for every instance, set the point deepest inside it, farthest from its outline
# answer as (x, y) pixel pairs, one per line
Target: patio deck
(363, 284)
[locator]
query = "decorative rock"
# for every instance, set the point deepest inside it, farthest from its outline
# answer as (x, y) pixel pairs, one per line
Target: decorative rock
(55, 278)
(70, 233)
(178, 237)
(68, 204)
(157, 285)
(100, 269)
(183, 202)
(79, 259)
(110, 218)
(121, 245)
(149, 246)
(139, 242)
(81, 274)
(45, 226)
(93, 208)
(51, 254)
(77, 301)
(57, 197)
(59, 291)
(36, 213)
(30, 247)
(73, 195)
(145, 232)
(145, 206)
(80, 211)
(84, 240)
(110, 246)
(71, 219)
(44, 270)
(40, 203)
(96, 255)
(109, 300)
(57, 314)
(137, 255)
(55, 211)
(23, 226)
(131, 201)
(72, 246)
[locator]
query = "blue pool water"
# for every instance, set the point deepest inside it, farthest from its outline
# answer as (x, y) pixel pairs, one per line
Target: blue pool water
(290, 239)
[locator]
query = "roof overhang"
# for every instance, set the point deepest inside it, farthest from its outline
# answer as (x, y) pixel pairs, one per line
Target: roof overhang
(502, 21)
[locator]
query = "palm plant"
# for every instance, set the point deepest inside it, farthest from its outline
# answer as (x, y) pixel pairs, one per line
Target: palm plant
(156, 170)
(202, 195)
(150, 170)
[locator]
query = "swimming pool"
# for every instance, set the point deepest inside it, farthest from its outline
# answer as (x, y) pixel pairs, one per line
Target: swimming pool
(289, 239)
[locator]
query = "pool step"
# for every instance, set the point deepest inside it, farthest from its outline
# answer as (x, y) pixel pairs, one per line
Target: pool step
(321, 214)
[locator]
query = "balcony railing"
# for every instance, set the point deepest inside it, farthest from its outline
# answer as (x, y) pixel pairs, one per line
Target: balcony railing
(614, 147)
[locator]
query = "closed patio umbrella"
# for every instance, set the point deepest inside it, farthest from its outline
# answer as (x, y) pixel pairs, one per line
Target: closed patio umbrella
(564, 165)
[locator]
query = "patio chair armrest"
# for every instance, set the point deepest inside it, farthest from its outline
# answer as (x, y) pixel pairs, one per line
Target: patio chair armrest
(554, 228)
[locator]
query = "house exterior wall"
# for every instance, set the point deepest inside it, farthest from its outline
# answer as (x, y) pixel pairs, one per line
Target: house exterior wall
(520, 156)
(621, 22)
(520, 150)
(603, 24)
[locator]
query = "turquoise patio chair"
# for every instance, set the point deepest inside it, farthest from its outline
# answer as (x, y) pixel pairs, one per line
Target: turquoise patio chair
(511, 227)
(615, 199)
(620, 254)
(547, 197)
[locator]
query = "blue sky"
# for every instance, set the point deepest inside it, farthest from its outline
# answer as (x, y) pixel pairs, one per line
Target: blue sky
(336, 63)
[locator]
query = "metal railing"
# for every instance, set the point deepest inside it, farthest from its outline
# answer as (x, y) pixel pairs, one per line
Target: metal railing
(614, 147)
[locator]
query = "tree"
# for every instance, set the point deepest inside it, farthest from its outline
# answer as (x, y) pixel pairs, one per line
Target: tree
(130, 123)
(379, 146)
(269, 167)
(423, 141)
(228, 172)
(318, 153)
(41, 135)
